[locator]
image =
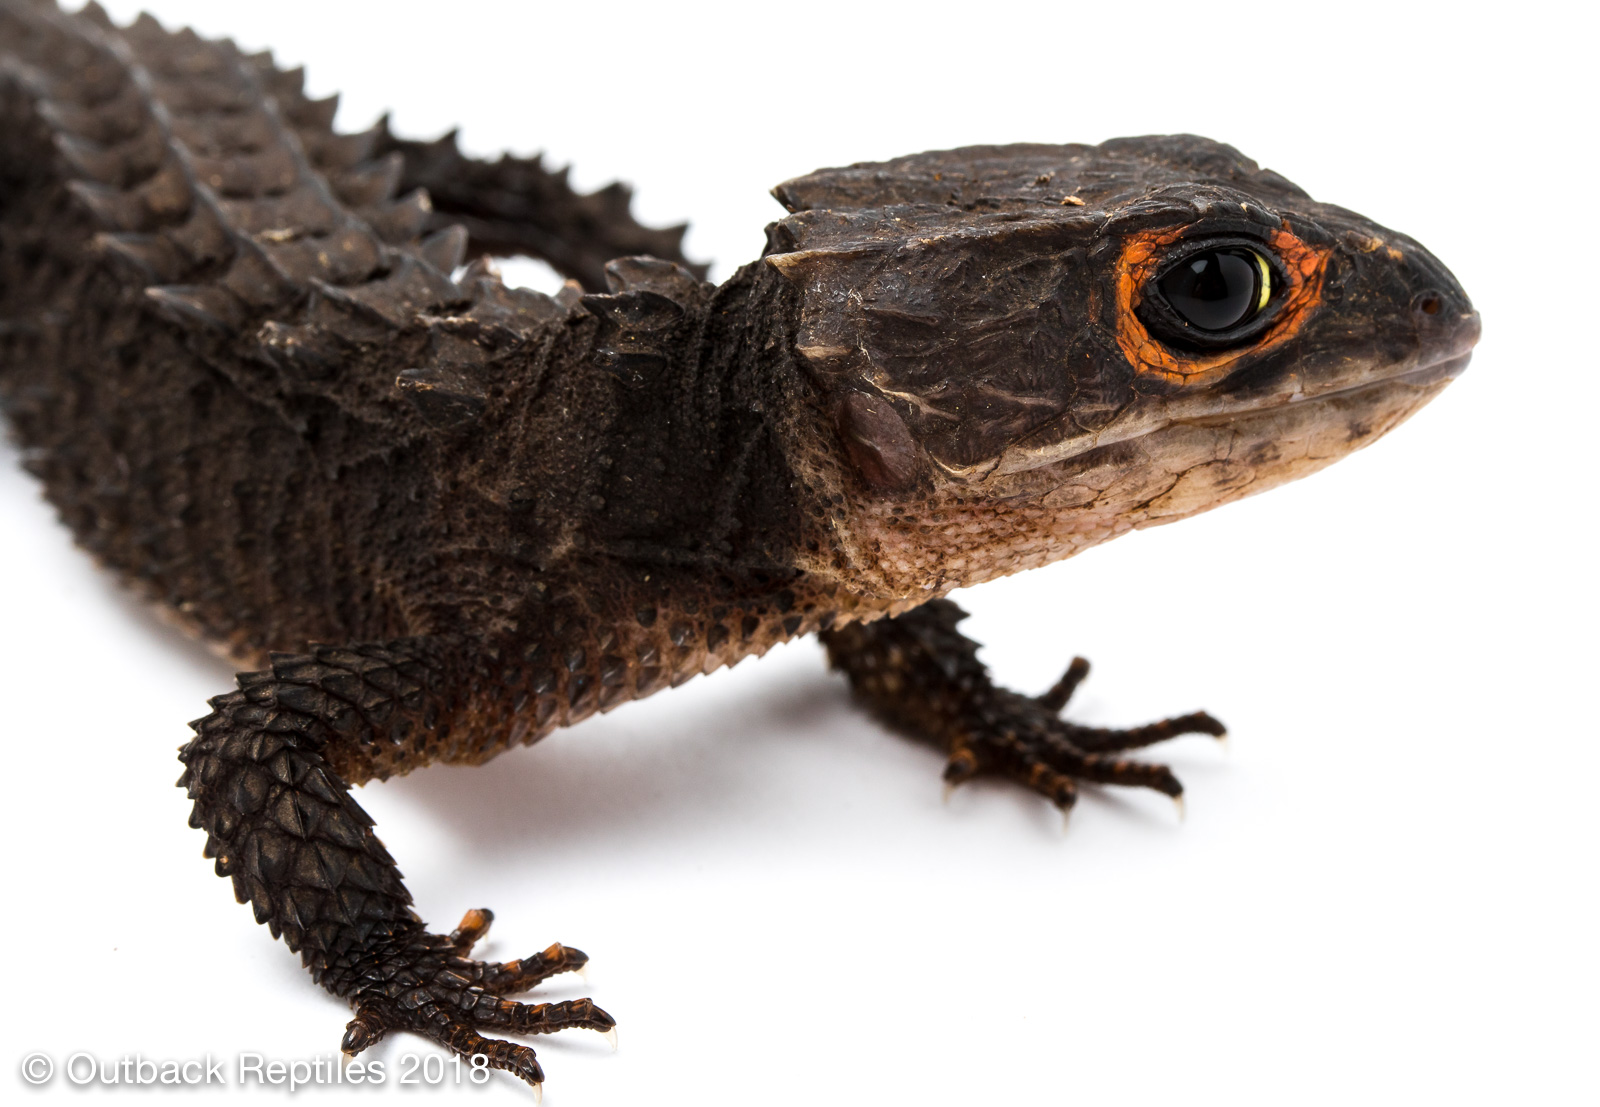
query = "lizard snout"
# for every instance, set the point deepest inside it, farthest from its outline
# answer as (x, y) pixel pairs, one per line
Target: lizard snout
(1447, 328)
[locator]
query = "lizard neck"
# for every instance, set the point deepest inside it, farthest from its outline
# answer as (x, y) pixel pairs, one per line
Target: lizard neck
(696, 466)
(726, 453)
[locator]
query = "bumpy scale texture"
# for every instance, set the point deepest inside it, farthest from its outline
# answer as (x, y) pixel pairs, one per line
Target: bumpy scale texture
(439, 517)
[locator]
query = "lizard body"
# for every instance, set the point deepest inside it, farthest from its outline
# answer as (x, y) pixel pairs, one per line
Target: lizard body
(438, 517)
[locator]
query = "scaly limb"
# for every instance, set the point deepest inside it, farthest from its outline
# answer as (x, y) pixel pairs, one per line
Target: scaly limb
(268, 772)
(923, 677)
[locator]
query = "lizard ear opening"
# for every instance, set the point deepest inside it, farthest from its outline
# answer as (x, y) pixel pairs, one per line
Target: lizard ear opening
(878, 442)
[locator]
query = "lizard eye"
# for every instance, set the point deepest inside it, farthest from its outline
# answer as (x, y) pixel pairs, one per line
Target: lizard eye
(1216, 290)
(1210, 297)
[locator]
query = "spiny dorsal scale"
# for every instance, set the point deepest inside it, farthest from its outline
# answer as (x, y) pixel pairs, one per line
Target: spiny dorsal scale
(334, 153)
(282, 83)
(403, 220)
(111, 207)
(197, 307)
(316, 113)
(90, 160)
(445, 249)
(499, 312)
(301, 211)
(447, 143)
(202, 236)
(93, 11)
(666, 278)
(108, 123)
(166, 195)
(302, 353)
(142, 154)
(65, 118)
(609, 202)
(345, 257)
(256, 279)
(446, 400)
(268, 172)
(151, 257)
(371, 182)
(411, 288)
(184, 95)
(453, 350)
(636, 331)
(220, 135)
(570, 295)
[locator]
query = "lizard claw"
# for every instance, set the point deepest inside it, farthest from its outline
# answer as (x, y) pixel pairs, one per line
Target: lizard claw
(472, 929)
(923, 676)
(424, 983)
(1061, 692)
(1023, 737)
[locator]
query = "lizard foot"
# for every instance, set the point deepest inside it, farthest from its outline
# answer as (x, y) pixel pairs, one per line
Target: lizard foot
(1024, 738)
(426, 983)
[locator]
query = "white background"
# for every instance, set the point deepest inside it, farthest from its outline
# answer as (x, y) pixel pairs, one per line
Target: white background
(1385, 893)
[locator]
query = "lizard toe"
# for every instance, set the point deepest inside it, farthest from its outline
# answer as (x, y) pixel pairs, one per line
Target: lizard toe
(1022, 738)
(424, 984)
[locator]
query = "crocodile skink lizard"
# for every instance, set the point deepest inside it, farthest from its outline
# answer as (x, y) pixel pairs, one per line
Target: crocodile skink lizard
(266, 375)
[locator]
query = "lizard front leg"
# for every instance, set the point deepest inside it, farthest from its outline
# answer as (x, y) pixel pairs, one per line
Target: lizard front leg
(269, 771)
(922, 676)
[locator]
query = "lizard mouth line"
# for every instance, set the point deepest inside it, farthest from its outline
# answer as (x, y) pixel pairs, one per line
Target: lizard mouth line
(1435, 373)
(1439, 371)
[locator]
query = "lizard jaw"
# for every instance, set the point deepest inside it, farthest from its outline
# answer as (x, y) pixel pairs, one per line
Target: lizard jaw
(1440, 360)
(968, 533)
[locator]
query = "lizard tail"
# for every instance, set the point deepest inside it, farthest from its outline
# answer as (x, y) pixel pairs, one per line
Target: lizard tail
(516, 206)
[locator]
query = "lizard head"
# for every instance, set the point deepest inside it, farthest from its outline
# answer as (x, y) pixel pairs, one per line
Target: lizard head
(1025, 350)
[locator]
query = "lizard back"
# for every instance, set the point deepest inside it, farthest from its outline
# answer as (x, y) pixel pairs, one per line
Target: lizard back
(207, 296)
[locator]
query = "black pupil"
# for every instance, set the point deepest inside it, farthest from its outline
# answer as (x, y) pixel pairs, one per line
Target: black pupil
(1214, 290)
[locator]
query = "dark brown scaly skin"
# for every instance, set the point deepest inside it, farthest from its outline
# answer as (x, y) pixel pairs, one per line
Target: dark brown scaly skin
(922, 676)
(516, 206)
(439, 517)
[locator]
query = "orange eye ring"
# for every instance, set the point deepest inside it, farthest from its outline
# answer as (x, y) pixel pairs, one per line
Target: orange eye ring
(1143, 255)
